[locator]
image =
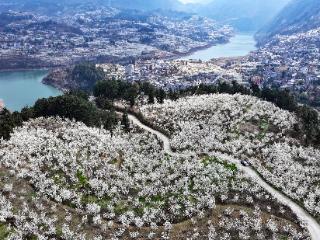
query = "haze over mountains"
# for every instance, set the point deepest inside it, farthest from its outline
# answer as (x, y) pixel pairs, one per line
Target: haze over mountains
(244, 15)
(297, 16)
(268, 17)
(130, 4)
(146, 5)
(272, 16)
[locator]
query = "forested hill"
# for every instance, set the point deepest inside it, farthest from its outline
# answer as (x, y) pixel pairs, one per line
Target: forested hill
(297, 16)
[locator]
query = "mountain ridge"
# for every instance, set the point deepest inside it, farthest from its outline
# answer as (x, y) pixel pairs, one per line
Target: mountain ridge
(124, 4)
(244, 15)
(298, 16)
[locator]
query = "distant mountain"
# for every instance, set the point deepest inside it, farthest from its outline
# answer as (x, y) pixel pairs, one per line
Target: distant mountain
(297, 16)
(244, 15)
(144, 4)
(7, 18)
(47, 7)
(56, 5)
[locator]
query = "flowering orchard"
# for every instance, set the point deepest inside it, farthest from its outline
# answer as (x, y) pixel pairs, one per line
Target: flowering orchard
(63, 180)
(250, 129)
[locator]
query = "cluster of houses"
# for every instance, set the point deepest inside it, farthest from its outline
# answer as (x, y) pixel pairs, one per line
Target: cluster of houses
(172, 74)
(103, 34)
(290, 62)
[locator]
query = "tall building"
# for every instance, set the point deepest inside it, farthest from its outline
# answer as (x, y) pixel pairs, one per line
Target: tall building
(1, 105)
(130, 69)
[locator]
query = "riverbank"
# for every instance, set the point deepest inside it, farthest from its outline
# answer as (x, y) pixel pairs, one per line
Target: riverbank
(24, 69)
(105, 59)
(56, 77)
(197, 49)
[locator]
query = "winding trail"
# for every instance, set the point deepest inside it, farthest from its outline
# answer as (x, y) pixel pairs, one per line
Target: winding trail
(311, 224)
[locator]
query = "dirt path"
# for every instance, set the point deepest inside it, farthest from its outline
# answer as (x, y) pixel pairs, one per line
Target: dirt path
(311, 223)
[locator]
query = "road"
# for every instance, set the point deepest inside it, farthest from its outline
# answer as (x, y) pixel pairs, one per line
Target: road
(311, 223)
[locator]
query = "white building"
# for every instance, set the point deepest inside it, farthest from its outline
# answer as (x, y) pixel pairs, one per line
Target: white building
(1, 105)
(130, 69)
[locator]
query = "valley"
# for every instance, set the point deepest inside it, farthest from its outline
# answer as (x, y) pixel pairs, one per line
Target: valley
(164, 119)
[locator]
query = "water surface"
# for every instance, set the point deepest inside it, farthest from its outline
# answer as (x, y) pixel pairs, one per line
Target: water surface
(22, 88)
(239, 45)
